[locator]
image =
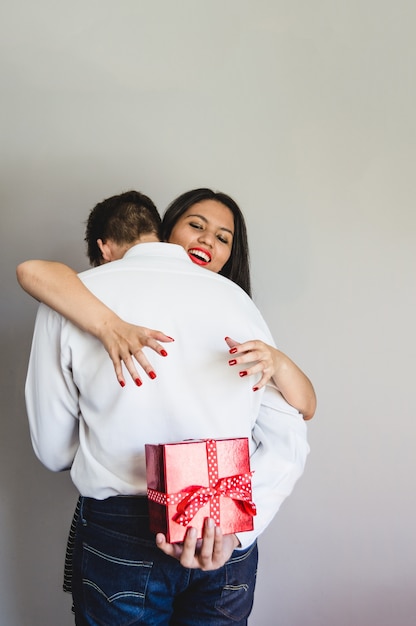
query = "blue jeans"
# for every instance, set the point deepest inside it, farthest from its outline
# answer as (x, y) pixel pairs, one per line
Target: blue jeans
(120, 577)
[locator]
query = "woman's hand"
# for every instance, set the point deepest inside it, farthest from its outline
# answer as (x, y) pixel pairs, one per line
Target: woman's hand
(123, 341)
(258, 354)
(273, 365)
(58, 286)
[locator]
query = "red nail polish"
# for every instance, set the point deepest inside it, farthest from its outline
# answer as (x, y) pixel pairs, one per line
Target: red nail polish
(138, 382)
(225, 338)
(243, 373)
(122, 383)
(255, 388)
(171, 338)
(152, 375)
(233, 350)
(232, 362)
(163, 353)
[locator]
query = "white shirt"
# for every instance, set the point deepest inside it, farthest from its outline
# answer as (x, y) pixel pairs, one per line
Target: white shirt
(80, 417)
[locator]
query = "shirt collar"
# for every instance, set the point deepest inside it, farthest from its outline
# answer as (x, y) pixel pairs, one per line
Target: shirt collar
(157, 248)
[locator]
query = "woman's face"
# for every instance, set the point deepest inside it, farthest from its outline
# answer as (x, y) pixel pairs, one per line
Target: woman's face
(206, 232)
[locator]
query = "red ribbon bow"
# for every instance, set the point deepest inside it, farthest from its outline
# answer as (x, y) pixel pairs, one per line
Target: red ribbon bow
(237, 487)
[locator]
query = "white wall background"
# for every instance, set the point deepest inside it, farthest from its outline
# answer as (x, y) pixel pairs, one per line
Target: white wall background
(304, 112)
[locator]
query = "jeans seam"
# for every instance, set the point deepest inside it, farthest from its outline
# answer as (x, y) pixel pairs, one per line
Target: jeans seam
(113, 559)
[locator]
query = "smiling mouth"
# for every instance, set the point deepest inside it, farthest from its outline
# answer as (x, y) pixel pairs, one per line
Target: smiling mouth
(201, 257)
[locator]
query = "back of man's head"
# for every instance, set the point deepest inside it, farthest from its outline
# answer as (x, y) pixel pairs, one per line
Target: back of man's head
(124, 219)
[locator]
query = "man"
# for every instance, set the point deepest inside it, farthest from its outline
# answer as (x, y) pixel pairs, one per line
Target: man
(81, 419)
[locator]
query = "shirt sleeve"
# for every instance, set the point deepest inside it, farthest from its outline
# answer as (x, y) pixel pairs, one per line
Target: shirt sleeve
(278, 460)
(51, 395)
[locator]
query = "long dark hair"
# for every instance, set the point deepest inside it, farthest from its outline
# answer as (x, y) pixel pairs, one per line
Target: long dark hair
(237, 267)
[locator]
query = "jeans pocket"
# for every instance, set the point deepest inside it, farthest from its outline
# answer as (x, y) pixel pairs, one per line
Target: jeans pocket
(114, 587)
(237, 595)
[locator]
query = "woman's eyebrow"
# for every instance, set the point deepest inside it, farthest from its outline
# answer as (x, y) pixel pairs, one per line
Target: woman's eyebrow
(204, 219)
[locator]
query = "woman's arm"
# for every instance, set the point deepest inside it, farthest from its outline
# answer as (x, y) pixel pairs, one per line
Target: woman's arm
(292, 383)
(58, 286)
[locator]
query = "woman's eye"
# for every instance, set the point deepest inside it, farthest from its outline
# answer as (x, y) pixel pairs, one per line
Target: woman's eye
(222, 238)
(195, 225)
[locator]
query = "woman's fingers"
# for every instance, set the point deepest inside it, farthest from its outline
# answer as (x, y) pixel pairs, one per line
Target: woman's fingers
(127, 342)
(144, 363)
(157, 334)
(256, 356)
(262, 382)
(231, 342)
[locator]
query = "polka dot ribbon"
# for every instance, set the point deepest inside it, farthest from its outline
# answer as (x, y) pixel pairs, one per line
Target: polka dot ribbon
(191, 499)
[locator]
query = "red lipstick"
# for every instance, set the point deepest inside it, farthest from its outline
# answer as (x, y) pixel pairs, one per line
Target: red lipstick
(200, 256)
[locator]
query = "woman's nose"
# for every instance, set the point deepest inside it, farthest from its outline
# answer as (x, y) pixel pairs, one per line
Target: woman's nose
(207, 237)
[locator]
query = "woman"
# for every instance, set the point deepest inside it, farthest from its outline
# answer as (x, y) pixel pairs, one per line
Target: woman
(211, 228)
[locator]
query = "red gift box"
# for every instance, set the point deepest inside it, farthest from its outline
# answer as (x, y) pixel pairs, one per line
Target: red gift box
(189, 481)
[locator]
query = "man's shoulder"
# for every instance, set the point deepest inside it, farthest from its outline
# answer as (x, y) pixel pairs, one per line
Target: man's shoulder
(141, 257)
(96, 274)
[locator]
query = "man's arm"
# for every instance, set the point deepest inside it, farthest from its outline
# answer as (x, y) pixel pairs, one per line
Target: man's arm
(278, 461)
(51, 395)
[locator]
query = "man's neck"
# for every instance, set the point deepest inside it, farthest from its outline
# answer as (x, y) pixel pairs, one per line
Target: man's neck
(147, 238)
(112, 251)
